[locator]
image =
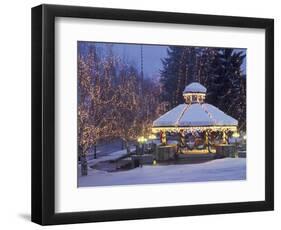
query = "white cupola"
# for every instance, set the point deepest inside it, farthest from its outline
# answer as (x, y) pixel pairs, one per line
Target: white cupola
(194, 93)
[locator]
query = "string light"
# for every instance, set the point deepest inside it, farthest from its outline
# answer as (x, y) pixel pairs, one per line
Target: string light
(152, 136)
(194, 128)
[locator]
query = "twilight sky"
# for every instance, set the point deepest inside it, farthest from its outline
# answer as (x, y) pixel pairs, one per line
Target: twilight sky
(152, 55)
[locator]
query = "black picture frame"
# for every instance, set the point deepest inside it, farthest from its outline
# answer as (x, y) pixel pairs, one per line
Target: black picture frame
(43, 114)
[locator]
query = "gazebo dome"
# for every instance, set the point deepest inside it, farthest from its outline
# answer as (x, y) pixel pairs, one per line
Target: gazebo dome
(195, 87)
(194, 93)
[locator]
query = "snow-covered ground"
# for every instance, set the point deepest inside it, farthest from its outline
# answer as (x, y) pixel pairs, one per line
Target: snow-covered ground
(111, 156)
(216, 170)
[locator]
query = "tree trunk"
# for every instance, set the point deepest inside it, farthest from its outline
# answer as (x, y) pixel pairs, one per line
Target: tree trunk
(84, 164)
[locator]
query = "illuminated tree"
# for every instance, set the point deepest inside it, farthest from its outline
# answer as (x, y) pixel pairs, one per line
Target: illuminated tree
(113, 100)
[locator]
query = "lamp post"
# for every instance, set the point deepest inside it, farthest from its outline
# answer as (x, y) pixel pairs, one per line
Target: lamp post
(152, 137)
(236, 135)
(142, 140)
(245, 138)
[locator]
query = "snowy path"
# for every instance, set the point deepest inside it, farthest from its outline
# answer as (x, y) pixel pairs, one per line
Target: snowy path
(216, 170)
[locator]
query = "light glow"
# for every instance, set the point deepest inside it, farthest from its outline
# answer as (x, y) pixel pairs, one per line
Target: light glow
(142, 140)
(152, 136)
(194, 128)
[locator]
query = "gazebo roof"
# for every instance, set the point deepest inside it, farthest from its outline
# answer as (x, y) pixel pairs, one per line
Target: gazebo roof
(195, 87)
(194, 115)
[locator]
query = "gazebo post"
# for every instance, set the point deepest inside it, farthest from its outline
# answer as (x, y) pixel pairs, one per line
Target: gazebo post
(163, 138)
(208, 140)
(224, 136)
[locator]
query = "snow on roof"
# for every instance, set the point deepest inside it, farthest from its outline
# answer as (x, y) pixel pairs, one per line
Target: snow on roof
(194, 115)
(170, 118)
(219, 116)
(195, 87)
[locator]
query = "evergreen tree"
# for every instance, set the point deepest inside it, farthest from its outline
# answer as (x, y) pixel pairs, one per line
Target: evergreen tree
(179, 69)
(218, 69)
(226, 85)
(186, 71)
(170, 74)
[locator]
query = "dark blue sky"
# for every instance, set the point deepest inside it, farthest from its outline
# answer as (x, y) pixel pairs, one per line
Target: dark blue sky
(152, 55)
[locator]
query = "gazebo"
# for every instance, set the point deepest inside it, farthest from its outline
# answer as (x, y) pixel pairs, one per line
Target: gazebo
(201, 124)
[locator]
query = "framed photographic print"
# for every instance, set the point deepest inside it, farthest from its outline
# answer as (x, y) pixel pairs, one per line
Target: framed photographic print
(142, 114)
